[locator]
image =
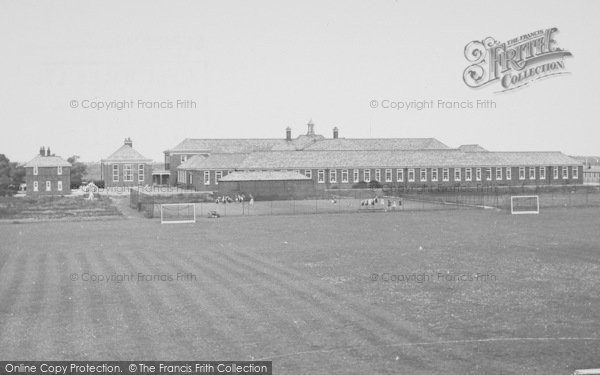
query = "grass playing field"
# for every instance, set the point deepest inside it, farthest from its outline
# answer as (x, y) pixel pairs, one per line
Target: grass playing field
(300, 291)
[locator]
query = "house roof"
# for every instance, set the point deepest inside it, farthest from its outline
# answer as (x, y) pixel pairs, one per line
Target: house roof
(358, 144)
(126, 153)
(472, 148)
(47, 161)
(410, 158)
(264, 176)
(213, 161)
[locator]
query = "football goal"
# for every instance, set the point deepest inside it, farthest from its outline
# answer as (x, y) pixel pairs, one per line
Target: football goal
(177, 213)
(524, 204)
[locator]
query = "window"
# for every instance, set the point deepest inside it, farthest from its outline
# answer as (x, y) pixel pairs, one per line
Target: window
(333, 175)
(521, 173)
(555, 170)
(35, 170)
(542, 173)
(423, 172)
(388, 175)
(355, 176)
(127, 172)
(400, 175)
(59, 170)
(321, 176)
(575, 172)
(457, 176)
(206, 177)
(183, 158)
(488, 174)
(344, 175)
(411, 175)
(565, 171)
(367, 175)
(59, 186)
(308, 173)
(35, 186)
(378, 175)
(218, 176)
(434, 174)
(498, 174)
(141, 176)
(445, 174)
(48, 186)
(191, 178)
(532, 173)
(468, 174)
(508, 173)
(478, 174)
(115, 172)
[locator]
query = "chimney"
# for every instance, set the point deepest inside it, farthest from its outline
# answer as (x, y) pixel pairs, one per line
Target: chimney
(48, 151)
(288, 134)
(128, 142)
(311, 128)
(335, 133)
(42, 151)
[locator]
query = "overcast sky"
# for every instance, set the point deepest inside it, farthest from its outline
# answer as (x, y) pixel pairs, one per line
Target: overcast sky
(254, 68)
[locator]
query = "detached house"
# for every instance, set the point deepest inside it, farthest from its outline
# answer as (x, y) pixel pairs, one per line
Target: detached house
(126, 167)
(47, 174)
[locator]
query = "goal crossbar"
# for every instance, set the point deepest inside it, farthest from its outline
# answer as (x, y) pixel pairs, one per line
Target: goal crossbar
(190, 214)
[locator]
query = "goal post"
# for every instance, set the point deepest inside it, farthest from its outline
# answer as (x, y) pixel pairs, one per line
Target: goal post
(177, 213)
(524, 204)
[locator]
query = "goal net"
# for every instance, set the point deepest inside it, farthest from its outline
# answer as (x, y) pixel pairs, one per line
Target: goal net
(177, 213)
(524, 204)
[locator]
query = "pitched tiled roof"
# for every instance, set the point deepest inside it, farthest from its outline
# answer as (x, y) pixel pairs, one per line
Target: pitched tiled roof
(264, 176)
(231, 145)
(213, 161)
(412, 158)
(47, 161)
(472, 148)
(358, 144)
(126, 153)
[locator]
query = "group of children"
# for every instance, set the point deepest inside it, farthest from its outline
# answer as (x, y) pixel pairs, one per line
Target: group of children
(390, 206)
(239, 198)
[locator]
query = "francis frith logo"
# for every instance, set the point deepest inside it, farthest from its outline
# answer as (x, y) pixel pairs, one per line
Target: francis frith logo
(516, 62)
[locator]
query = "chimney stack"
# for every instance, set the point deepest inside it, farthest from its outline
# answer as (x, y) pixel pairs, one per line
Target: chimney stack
(48, 151)
(288, 134)
(128, 142)
(311, 128)
(42, 151)
(335, 133)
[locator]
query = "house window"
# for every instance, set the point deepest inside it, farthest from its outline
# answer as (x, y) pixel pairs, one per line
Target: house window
(141, 176)
(115, 172)
(378, 175)
(127, 172)
(498, 174)
(423, 172)
(206, 177)
(35, 170)
(468, 174)
(488, 174)
(508, 173)
(400, 175)
(333, 176)
(183, 158)
(308, 173)
(411, 175)
(35, 186)
(521, 173)
(445, 174)
(575, 172)
(321, 176)
(532, 173)
(542, 173)
(555, 171)
(434, 174)
(59, 186)
(457, 176)
(367, 175)
(48, 186)
(218, 176)
(388, 175)
(59, 170)
(344, 175)
(181, 177)
(565, 171)
(355, 176)
(191, 178)
(478, 174)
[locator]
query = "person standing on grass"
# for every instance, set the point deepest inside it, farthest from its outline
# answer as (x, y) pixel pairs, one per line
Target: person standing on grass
(251, 199)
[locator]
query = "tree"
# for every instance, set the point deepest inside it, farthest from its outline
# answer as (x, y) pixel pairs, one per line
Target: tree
(11, 176)
(78, 170)
(374, 184)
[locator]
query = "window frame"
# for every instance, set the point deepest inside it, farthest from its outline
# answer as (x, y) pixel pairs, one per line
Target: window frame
(434, 174)
(411, 175)
(206, 178)
(445, 174)
(468, 174)
(115, 176)
(399, 174)
(457, 172)
(344, 176)
(366, 175)
(218, 176)
(321, 176)
(333, 173)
